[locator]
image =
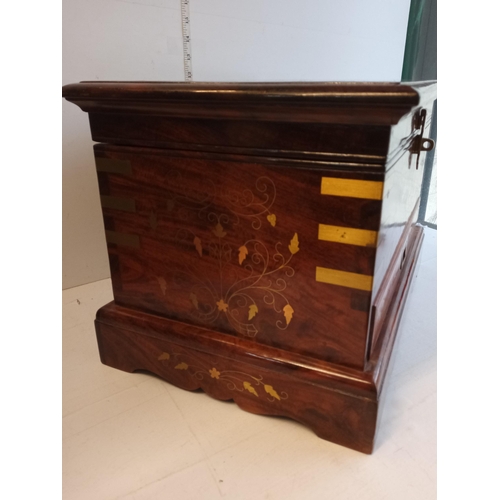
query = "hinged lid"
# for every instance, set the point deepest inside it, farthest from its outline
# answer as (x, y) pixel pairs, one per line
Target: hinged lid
(327, 102)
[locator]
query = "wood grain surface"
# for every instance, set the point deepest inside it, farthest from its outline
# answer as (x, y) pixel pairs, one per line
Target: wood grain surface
(261, 239)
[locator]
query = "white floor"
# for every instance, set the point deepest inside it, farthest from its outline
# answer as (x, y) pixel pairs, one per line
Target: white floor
(133, 436)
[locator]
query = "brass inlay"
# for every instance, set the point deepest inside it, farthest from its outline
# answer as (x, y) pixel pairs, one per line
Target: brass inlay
(125, 204)
(272, 219)
(222, 306)
(294, 244)
(351, 188)
(252, 311)
(263, 285)
(347, 235)
(233, 380)
(123, 239)
(288, 313)
(113, 166)
(248, 386)
(238, 295)
(243, 252)
(219, 231)
(343, 278)
(251, 204)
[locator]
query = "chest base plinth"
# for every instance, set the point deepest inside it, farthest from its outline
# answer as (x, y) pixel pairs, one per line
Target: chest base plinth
(339, 404)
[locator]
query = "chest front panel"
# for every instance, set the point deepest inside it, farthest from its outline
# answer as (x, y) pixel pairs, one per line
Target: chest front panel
(279, 255)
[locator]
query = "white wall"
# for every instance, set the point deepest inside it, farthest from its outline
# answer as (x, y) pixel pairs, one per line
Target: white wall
(105, 40)
(232, 40)
(301, 40)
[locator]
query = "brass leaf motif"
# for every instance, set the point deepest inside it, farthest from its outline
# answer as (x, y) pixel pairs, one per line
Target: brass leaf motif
(270, 390)
(163, 284)
(294, 244)
(272, 219)
(194, 299)
(222, 306)
(248, 386)
(252, 311)
(182, 366)
(219, 231)
(288, 312)
(197, 245)
(163, 356)
(243, 254)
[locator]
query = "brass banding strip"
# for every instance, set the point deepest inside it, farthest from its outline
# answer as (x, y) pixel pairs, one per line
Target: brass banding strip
(113, 166)
(352, 188)
(343, 278)
(123, 239)
(347, 235)
(126, 204)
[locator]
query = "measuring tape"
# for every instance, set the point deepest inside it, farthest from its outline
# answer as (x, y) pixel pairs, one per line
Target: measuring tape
(186, 41)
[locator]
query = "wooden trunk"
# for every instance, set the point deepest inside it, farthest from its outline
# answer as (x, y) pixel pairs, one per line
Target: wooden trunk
(261, 238)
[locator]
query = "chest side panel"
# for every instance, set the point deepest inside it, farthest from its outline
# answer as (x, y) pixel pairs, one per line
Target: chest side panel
(401, 201)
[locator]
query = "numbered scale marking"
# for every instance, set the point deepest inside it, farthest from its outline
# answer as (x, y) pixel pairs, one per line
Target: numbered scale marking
(186, 40)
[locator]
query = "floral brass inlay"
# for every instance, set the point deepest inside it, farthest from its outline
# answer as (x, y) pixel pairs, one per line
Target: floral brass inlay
(233, 380)
(238, 297)
(240, 301)
(272, 219)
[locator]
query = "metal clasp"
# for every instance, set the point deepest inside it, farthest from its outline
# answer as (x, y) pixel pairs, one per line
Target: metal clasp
(419, 143)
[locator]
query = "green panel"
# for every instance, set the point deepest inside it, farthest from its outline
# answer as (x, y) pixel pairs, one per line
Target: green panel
(420, 59)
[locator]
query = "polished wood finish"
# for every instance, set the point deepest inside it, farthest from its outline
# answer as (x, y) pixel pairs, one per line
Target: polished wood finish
(261, 239)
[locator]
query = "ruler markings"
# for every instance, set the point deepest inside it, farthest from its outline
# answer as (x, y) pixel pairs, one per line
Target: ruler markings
(186, 40)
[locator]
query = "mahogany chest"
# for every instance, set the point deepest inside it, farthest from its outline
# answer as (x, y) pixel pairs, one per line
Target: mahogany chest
(261, 238)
